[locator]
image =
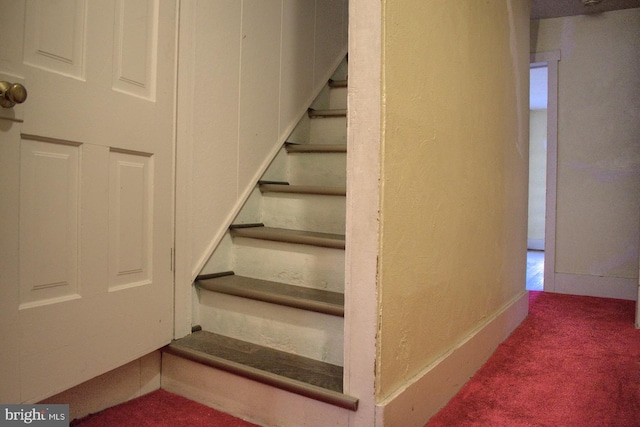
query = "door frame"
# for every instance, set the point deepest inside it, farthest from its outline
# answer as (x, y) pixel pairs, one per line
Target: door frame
(550, 59)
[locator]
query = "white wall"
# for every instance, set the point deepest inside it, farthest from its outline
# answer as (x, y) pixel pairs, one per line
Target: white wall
(598, 179)
(248, 71)
(537, 178)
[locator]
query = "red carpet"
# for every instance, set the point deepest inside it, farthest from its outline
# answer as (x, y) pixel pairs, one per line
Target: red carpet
(575, 361)
(160, 409)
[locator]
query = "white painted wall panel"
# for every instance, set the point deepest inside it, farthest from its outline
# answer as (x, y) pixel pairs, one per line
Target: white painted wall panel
(298, 23)
(213, 124)
(249, 70)
(328, 37)
(259, 85)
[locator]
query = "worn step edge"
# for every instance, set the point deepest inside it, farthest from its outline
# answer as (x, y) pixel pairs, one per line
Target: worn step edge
(303, 189)
(317, 300)
(337, 83)
(294, 386)
(315, 148)
(327, 240)
(327, 113)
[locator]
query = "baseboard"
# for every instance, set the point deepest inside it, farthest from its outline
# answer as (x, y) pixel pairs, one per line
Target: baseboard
(246, 399)
(137, 378)
(415, 404)
(596, 286)
(535, 244)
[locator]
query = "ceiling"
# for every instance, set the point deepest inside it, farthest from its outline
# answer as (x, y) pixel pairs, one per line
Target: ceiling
(541, 9)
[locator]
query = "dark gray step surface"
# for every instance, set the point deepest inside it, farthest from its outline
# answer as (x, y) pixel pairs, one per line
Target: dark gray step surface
(337, 83)
(327, 113)
(327, 240)
(308, 377)
(316, 148)
(321, 190)
(317, 300)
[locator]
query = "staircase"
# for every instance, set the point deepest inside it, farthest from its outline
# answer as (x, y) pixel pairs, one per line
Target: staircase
(270, 301)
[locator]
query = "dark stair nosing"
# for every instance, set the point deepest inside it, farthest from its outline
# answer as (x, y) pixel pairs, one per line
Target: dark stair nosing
(288, 372)
(327, 240)
(316, 148)
(317, 300)
(303, 189)
(340, 112)
(337, 83)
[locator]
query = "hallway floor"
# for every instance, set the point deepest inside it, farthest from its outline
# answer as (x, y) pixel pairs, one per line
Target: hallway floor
(535, 270)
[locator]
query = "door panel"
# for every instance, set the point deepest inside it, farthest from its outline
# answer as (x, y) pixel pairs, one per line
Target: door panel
(87, 176)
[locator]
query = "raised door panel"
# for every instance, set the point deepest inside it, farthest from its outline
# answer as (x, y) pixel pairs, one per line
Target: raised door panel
(49, 201)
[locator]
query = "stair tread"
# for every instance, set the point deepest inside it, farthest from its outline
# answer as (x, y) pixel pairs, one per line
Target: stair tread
(340, 112)
(303, 189)
(337, 83)
(309, 377)
(318, 300)
(316, 148)
(328, 240)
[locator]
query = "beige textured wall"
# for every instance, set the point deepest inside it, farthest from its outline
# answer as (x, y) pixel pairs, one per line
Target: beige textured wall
(598, 185)
(537, 174)
(454, 175)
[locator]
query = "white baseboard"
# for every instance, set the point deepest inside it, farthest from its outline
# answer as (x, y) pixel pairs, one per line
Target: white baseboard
(437, 384)
(135, 379)
(596, 286)
(535, 244)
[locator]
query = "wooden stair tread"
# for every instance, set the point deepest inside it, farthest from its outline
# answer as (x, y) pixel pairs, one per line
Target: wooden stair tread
(316, 148)
(337, 83)
(302, 189)
(308, 377)
(327, 240)
(327, 113)
(317, 300)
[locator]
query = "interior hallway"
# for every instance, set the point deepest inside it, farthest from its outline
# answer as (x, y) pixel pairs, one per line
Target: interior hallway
(535, 270)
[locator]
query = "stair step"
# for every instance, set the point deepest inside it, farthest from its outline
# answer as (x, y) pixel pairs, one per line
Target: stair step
(317, 300)
(316, 148)
(327, 240)
(302, 189)
(307, 377)
(327, 113)
(337, 83)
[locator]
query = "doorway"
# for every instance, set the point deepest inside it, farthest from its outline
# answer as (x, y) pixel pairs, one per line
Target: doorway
(543, 170)
(537, 176)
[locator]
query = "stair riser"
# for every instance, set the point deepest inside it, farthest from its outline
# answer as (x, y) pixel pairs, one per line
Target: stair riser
(317, 169)
(328, 130)
(301, 265)
(309, 334)
(246, 398)
(338, 98)
(324, 214)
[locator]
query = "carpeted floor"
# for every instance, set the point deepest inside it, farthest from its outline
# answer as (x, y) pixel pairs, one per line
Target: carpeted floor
(160, 409)
(574, 362)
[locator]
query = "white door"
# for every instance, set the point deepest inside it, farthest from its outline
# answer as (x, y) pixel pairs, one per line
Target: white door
(86, 190)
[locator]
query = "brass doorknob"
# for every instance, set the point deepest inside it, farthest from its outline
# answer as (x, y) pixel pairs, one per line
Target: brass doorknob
(12, 94)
